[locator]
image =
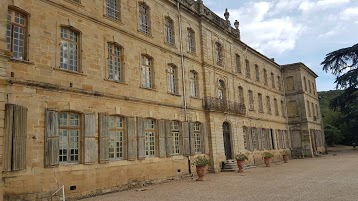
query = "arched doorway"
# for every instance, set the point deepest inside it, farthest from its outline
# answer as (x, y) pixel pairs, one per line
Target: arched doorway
(227, 140)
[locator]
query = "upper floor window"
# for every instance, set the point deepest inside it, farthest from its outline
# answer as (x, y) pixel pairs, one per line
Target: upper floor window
(257, 72)
(248, 74)
(290, 85)
(251, 100)
(112, 8)
(309, 86)
(115, 62)
(276, 106)
(313, 110)
(144, 18)
(69, 137)
(175, 137)
(241, 95)
(219, 54)
(193, 84)
(283, 109)
(305, 83)
(308, 108)
(238, 63)
(268, 104)
(69, 54)
(169, 31)
(191, 40)
(279, 83)
(16, 31)
(261, 108)
(147, 72)
(317, 111)
(197, 137)
(172, 79)
(116, 135)
(221, 90)
(149, 133)
(273, 80)
(265, 77)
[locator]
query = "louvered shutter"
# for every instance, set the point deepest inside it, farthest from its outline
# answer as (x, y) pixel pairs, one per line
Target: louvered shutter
(168, 138)
(51, 139)
(90, 148)
(141, 139)
(103, 138)
(205, 134)
(132, 139)
(186, 142)
(192, 139)
(161, 133)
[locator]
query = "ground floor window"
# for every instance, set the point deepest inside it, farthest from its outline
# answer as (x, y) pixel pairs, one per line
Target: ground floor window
(69, 134)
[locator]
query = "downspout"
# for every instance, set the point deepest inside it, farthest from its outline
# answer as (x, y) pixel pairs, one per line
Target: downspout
(183, 74)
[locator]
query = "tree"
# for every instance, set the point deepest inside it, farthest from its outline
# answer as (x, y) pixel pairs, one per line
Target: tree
(333, 135)
(343, 63)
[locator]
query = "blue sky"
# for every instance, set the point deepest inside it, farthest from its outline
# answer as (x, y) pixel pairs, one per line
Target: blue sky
(295, 30)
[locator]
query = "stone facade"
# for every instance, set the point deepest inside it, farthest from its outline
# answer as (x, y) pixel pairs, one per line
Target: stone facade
(225, 97)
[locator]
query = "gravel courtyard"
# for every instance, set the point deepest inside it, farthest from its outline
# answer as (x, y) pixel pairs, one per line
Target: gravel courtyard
(325, 178)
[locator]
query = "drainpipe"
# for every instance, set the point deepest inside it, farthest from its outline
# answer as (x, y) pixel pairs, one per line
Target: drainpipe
(183, 74)
(285, 108)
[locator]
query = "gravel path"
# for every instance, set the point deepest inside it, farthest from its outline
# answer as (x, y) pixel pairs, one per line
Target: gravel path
(322, 179)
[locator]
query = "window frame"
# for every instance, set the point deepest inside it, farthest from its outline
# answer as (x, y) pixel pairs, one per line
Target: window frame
(144, 27)
(68, 127)
(260, 102)
(273, 80)
(219, 57)
(221, 90)
(176, 135)
(172, 79)
(147, 72)
(78, 50)
(247, 69)
(194, 84)
(198, 138)
(251, 100)
(123, 138)
(13, 10)
(265, 77)
(268, 105)
(238, 63)
(241, 95)
(257, 72)
(191, 41)
(117, 10)
(150, 133)
(121, 61)
(275, 103)
(169, 30)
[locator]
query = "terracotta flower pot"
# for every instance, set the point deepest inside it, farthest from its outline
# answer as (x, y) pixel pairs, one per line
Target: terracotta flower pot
(241, 165)
(267, 161)
(200, 171)
(285, 158)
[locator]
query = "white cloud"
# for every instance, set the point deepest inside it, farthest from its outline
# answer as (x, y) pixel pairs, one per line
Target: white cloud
(309, 5)
(349, 14)
(267, 34)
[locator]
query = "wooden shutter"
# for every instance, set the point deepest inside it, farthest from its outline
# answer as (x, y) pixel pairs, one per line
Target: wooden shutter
(250, 143)
(180, 138)
(132, 139)
(259, 138)
(90, 148)
(51, 139)
(270, 138)
(205, 137)
(161, 133)
(15, 137)
(168, 138)
(141, 139)
(186, 142)
(103, 138)
(192, 139)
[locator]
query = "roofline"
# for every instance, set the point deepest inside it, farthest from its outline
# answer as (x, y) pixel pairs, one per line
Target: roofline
(301, 65)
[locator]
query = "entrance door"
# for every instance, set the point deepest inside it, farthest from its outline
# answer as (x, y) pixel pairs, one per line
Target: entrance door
(227, 140)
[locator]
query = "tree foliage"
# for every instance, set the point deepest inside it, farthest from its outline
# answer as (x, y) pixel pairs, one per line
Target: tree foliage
(333, 135)
(343, 63)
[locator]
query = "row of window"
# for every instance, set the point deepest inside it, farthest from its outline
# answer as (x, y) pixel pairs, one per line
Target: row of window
(219, 52)
(70, 134)
(265, 139)
(17, 30)
(222, 96)
(70, 60)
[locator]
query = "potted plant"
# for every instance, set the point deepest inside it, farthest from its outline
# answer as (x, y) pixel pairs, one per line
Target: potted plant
(267, 158)
(201, 162)
(240, 159)
(285, 155)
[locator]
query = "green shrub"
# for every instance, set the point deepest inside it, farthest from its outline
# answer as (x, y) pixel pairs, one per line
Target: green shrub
(267, 155)
(201, 161)
(241, 157)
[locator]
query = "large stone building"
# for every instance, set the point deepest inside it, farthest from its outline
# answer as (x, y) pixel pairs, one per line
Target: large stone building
(98, 95)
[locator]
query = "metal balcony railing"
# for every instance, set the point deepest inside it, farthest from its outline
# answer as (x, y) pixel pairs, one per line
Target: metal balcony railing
(219, 105)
